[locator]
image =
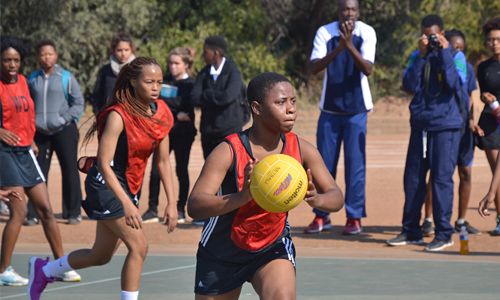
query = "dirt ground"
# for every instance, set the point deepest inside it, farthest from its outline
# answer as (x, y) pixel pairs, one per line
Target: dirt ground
(388, 131)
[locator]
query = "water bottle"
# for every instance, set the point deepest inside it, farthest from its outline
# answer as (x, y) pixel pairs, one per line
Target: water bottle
(464, 241)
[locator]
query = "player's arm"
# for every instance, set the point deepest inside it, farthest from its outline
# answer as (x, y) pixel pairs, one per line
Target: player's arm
(165, 170)
(105, 154)
(323, 192)
(203, 201)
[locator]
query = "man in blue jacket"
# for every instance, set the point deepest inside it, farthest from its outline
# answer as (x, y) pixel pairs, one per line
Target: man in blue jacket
(436, 76)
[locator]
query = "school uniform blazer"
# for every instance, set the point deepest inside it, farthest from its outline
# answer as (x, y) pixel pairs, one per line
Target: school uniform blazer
(220, 101)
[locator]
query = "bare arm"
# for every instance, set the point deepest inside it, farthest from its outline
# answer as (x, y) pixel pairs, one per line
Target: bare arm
(165, 170)
(323, 191)
(105, 154)
(203, 202)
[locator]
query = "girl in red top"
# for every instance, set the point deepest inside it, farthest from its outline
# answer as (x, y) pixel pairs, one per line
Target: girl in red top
(264, 254)
(130, 128)
(19, 171)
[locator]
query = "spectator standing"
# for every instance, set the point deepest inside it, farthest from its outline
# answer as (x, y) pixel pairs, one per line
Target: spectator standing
(58, 107)
(345, 49)
(182, 134)
(488, 75)
(465, 151)
(122, 52)
(219, 91)
(436, 76)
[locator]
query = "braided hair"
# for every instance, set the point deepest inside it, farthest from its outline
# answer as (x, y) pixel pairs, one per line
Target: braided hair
(124, 94)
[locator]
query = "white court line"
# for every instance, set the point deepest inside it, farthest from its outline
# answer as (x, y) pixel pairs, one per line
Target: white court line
(402, 259)
(100, 281)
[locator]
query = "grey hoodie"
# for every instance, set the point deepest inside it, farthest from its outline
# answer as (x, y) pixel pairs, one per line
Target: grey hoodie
(53, 111)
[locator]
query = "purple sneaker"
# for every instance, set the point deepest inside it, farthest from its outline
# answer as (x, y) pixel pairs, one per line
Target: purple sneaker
(38, 280)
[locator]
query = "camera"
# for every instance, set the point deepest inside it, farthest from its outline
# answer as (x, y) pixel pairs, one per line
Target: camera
(433, 43)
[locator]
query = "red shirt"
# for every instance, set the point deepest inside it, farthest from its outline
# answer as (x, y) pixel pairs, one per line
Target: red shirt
(254, 228)
(18, 110)
(143, 136)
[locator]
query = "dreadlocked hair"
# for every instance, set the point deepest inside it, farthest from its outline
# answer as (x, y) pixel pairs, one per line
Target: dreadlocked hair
(124, 94)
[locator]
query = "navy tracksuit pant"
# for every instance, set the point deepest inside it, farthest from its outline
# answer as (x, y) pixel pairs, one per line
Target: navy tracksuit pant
(351, 129)
(436, 151)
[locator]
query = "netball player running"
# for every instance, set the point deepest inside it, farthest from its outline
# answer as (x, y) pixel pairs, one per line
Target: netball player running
(19, 170)
(130, 128)
(242, 242)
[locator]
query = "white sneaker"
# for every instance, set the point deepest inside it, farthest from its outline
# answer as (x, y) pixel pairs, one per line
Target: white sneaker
(70, 276)
(11, 278)
(4, 209)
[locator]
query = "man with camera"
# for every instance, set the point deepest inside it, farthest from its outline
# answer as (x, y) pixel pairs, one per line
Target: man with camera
(436, 76)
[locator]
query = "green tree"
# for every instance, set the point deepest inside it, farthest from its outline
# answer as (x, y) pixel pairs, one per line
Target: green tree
(82, 30)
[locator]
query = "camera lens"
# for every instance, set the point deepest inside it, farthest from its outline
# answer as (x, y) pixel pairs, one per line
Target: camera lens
(433, 43)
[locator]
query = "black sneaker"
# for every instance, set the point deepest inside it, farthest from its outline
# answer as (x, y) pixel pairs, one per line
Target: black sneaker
(402, 239)
(470, 229)
(496, 231)
(427, 228)
(437, 245)
(150, 217)
(181, 217)
(30, 222)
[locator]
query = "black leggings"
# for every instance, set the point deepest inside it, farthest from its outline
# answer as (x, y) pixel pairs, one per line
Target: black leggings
(181, 145)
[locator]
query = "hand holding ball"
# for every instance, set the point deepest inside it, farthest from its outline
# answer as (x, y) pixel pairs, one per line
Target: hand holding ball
(278, 183)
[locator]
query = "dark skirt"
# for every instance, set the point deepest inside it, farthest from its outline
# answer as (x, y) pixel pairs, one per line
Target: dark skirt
(491, 138)
(101, 202)
(19, 167)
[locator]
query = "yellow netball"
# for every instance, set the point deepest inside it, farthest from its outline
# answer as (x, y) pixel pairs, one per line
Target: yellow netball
(278, 183)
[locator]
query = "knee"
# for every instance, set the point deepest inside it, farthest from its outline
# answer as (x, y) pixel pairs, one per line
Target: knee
(18, 210)
(140, 250)
(45, 213)
(465, 174)
(143, 251)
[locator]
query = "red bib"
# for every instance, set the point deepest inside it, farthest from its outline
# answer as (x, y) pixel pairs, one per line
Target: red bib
(143, 136)
(18, 110)
(254, 228)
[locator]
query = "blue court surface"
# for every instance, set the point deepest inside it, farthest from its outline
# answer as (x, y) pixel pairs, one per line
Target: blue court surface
(172, 278)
